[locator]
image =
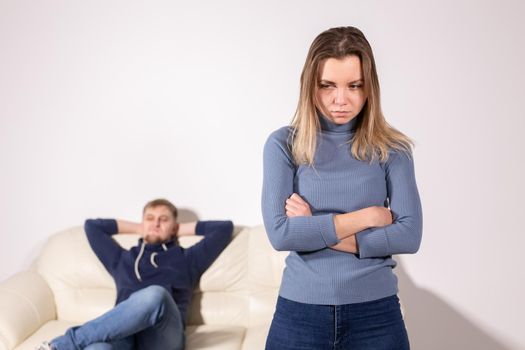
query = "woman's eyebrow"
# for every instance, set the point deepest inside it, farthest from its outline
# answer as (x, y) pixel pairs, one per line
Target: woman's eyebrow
(325, 81)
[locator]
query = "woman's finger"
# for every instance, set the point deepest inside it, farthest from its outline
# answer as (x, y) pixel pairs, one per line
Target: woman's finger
(297, 198)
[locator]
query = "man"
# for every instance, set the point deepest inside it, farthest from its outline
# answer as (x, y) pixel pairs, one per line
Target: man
(154, 280)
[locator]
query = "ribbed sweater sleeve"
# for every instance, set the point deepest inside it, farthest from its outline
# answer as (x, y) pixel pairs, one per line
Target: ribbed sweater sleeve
(99, 232)
(305, 233)
(404, 234)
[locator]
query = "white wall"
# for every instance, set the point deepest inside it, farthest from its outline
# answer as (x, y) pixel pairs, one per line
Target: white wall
(107, 104)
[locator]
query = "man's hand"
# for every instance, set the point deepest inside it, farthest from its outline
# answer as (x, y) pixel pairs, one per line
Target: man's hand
(186, 229)
(296, 206)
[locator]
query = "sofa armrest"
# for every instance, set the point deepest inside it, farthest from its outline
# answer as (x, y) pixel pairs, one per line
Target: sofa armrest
(26, 303)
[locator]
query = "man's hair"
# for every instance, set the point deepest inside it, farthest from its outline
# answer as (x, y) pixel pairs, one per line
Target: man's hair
(161, 201)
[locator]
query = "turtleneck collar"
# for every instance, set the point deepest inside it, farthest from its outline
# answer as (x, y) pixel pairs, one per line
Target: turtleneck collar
(330, 126)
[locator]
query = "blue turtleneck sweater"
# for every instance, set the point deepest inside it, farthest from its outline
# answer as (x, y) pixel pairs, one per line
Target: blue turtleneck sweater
(338, 183)
(167, 265)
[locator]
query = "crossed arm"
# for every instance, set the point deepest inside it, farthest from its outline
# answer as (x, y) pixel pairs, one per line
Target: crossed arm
(346, 225)
(370, 231)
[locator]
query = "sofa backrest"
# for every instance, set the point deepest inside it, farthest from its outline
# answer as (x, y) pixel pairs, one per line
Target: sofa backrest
(240, 288)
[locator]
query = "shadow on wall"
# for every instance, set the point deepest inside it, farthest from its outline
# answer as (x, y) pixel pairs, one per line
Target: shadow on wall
(186, 215)
(432, 324)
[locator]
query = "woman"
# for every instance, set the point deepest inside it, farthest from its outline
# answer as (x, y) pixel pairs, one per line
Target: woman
(339, 193)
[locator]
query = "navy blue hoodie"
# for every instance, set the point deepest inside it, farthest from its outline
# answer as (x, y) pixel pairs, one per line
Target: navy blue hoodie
(165, 264)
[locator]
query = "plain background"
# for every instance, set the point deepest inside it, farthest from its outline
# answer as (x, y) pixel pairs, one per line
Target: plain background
(107, 104)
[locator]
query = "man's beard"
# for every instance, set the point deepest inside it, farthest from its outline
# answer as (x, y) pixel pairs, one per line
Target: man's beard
(152, 239)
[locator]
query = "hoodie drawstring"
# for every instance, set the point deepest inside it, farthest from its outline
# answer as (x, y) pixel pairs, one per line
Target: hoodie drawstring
(151, 259)
(137, 261)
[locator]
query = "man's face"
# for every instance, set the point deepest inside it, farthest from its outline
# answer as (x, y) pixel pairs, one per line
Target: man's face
(158, 224)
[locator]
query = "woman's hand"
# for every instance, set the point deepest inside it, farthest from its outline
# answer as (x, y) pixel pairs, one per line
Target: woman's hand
(378, 216)
(351, 223)
(348, 245)
(297, 206)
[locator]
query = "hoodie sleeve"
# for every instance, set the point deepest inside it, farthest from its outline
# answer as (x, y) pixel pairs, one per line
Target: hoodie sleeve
(217, 235)
(99, 232)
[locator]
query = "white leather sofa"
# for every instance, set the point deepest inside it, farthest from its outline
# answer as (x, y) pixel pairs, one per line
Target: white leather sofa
(231, 309)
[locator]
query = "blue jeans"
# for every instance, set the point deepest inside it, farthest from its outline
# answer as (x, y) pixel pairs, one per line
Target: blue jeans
(373, 325)
(148, 319)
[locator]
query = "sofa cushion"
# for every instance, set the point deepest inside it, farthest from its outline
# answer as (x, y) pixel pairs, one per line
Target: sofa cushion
(214, 337)
(255, 337)
(48, 331)
(82, 287)
(264, 276)
(26, 302)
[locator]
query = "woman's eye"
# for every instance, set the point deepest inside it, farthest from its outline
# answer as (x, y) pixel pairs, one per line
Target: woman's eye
(356, 86)
(324, 86)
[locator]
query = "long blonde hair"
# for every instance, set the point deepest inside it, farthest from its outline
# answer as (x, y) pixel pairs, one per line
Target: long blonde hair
(374, 137)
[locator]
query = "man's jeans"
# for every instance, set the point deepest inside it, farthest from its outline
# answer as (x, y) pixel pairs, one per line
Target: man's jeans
(376, 325)
(148, 319)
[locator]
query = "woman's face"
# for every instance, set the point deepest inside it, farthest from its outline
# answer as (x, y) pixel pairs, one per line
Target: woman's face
(340, 94)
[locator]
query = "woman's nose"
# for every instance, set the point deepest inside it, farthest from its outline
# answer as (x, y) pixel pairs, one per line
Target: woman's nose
(340, 97)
